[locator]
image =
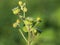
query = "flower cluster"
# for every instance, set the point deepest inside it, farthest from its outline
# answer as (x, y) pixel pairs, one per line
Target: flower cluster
(30, 24)
(23, 6)
(16, 23)
(28, 21)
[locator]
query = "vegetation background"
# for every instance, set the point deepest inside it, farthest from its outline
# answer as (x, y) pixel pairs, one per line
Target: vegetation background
(48, 10)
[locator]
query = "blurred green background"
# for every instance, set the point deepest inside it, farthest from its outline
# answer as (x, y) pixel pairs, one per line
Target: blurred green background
(48, 10)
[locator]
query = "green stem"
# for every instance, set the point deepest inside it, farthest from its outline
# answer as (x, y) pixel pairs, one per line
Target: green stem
(23, 35)
(36, 24)
(29, 38)
(24, 14)
(33, 35)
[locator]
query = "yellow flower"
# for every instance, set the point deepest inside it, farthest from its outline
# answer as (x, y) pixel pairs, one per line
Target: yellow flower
(16, 10)
(24, 9)
(27, 22)
(38, 19)
(18, 21)
(14, 25)
(25, 29)
(29, 19)
(35, 31)
(20, 3)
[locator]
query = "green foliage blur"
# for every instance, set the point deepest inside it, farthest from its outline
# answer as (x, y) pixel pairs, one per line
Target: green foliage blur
(47, 10)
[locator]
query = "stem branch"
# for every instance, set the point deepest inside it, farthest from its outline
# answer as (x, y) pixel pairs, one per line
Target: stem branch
(29, 35)
(24, 14)
(23, 35)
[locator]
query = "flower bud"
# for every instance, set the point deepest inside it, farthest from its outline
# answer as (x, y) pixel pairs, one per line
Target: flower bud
(38, 19)
(18, 21)
(29, 18)
(24, 9)
(20, 3)
(16, 10)
(35, 31)
(14, 25)
(27, 22)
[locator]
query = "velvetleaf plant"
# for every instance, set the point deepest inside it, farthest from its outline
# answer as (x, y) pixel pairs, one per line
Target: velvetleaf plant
(29, 23)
